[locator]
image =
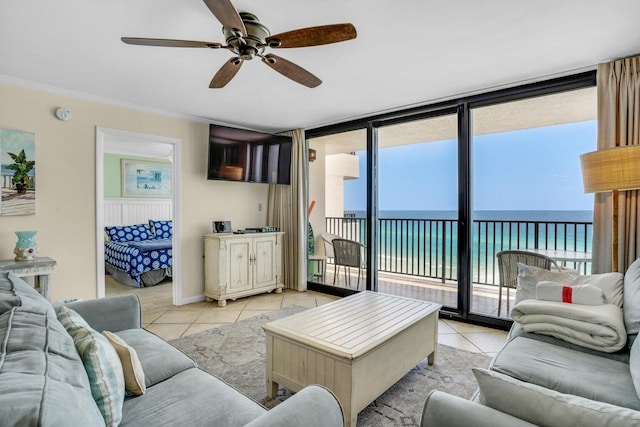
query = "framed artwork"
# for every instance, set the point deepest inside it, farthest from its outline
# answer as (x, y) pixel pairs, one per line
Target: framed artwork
(18, 169)
(146, 179)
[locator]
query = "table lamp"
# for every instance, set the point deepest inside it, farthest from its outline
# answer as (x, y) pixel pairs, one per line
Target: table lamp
(612, 170)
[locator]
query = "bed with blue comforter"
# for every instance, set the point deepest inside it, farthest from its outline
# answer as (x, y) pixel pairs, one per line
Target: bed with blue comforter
(139, 255)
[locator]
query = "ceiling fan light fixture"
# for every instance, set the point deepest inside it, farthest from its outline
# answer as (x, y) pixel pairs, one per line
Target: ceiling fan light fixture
(247, 53)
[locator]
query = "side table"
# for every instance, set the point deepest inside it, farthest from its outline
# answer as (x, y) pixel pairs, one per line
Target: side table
(320, 262)
(40, 268)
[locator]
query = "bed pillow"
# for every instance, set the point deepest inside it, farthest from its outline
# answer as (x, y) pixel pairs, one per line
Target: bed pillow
(529, 276)
(131, 366)
(161, 229)
(542, 406)
(101, 362)
(129, 233)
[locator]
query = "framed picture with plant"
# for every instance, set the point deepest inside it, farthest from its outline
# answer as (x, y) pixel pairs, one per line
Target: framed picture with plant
(18, 170)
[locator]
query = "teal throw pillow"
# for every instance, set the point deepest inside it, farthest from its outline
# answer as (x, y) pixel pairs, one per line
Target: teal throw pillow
(634, 365)
(631, 295)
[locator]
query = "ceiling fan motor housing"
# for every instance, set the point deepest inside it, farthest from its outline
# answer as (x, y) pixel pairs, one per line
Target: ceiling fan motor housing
(247, 47)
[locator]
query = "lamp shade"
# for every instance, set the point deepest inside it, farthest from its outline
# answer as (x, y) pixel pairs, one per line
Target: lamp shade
(611, 169)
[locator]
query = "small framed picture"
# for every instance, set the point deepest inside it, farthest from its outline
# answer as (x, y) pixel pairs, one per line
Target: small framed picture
(146, 179)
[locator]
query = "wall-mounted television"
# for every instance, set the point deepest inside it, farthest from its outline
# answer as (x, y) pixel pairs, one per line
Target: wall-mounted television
(248, 156)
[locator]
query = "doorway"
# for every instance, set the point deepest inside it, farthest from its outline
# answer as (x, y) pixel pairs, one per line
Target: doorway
(133, 142)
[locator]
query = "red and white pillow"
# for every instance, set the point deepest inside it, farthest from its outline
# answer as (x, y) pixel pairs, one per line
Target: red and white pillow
(577, 294)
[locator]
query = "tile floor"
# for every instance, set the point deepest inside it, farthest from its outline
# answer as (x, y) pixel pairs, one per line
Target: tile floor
(164, 319)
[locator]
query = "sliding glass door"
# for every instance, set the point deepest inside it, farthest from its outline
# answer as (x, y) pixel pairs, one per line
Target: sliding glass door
(433, 194)
(338, 210)
(527, 187)
(418, 207)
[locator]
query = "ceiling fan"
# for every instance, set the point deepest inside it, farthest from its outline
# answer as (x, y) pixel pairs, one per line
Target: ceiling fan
(247, 38)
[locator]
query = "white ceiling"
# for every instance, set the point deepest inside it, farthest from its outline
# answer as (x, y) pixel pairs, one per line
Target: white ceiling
(407, 53)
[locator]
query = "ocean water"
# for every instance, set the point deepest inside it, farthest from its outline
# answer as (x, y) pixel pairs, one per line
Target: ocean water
(538, 215)
(425, 243)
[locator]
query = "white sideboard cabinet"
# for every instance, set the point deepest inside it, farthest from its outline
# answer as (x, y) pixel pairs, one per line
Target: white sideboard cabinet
(239, 265)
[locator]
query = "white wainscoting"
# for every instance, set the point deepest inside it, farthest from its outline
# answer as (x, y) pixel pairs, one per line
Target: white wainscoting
(135, 211)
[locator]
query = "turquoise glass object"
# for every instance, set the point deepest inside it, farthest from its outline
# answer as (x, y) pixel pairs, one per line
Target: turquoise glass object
(26, 247)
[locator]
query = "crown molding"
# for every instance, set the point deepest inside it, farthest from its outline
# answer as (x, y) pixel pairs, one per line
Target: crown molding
(100, 99)
(114, 102)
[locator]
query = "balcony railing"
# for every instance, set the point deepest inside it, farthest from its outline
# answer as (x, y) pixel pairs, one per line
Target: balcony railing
(429, 247)
(6, 181)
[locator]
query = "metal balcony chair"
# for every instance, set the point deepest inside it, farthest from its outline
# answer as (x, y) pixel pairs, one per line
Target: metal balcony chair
(508, 269)
(348, 253)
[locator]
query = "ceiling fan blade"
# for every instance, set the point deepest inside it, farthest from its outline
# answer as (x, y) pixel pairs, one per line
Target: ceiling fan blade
(227, 14)
(169, 42)
(226, 73)
(314, 36)
(291, 70)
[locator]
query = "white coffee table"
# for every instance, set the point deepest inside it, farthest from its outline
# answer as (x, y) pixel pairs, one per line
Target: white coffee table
(358, 347)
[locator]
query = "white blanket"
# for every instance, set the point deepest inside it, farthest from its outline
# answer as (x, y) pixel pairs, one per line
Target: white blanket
(599, 327)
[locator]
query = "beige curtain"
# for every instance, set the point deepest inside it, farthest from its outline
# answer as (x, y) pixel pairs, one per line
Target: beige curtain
(618, 125)
(287, 210)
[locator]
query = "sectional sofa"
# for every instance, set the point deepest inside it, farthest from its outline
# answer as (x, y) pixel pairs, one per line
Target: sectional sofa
(58, 369)
(558, 372)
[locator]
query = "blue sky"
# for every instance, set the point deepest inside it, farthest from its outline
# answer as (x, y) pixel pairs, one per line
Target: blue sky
(532, 169)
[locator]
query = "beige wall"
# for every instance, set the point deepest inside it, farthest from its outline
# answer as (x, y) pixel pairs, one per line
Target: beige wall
(65, 199)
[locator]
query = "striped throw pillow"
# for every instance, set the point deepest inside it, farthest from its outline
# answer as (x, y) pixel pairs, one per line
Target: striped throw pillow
(101, 363)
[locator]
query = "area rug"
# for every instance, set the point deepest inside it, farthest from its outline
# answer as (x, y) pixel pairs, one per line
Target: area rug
(236, 354)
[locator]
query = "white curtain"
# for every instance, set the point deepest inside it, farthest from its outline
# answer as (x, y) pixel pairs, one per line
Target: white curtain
(618, 125)
(287, 210)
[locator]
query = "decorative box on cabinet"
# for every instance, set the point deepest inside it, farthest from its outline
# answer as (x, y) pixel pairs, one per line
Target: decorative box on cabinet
(239, 265)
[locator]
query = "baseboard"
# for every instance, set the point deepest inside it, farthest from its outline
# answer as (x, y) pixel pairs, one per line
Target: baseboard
(191, 300)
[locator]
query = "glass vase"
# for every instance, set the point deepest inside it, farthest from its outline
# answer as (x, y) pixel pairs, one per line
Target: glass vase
(26, 248)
